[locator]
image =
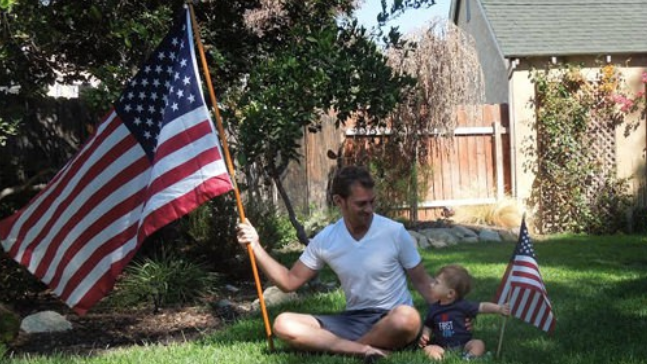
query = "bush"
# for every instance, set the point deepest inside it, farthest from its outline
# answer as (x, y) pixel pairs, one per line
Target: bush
(505, 213)
(209, 232)
(607, 213)
(274, 228)
(639, 220)
(9, 325)
(164, 280)
(319, 219)
(16, 283)
(575, 187)
(3, 350)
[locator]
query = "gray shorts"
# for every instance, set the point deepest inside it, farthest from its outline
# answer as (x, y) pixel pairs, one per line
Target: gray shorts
(351, 325)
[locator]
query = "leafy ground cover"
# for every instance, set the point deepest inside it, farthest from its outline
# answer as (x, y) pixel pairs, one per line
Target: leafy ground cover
(598, 287)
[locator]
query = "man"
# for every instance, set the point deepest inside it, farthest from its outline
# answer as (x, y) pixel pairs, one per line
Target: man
(371, 255)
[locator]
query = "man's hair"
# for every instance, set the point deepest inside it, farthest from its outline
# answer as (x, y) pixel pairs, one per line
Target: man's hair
(457, 278)
(349, 175)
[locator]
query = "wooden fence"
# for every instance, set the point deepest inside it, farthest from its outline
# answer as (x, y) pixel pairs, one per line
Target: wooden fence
(307, 182)
(473, 167)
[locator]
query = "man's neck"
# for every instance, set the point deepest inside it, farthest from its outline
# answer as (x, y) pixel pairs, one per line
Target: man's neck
(358, 232)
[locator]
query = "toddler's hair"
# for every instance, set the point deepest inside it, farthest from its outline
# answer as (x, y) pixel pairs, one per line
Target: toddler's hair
(457, 278)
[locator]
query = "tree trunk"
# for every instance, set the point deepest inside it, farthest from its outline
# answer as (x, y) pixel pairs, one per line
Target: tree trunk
(301, 232)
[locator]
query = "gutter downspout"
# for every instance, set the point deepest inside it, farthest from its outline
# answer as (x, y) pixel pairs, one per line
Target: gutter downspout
(512, 120)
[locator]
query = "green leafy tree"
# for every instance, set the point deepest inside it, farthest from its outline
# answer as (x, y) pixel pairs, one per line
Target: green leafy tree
(323, 66)
(278, 65)
(73, 41)
(7, 128)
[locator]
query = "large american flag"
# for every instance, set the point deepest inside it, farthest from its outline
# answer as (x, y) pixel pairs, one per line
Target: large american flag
(154, 158)
(523, 287)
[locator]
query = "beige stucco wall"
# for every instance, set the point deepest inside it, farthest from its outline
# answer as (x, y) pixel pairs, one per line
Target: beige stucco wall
(471, 21)
(522, 118)
(630, 148)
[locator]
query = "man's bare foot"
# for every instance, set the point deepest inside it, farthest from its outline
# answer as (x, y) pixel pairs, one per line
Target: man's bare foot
(372, 355)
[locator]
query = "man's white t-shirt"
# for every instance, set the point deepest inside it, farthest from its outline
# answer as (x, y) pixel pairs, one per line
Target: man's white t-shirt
(371, 270)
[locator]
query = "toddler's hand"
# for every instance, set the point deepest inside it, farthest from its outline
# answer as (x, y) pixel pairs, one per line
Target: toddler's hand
(504, 309)
(423, 341)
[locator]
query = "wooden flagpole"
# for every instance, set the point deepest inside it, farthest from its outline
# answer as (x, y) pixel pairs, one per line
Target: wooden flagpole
(498, 349)
(230, 166)
(505, 319)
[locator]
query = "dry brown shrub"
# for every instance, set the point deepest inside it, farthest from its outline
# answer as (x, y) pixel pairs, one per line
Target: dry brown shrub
(269, 16)
(445, 62)
(272, 14)
(505, 213)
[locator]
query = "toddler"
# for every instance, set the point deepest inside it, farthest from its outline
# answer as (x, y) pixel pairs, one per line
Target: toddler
(444, 326)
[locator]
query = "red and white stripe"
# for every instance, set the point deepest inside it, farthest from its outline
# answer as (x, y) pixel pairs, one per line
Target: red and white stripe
(79, 233)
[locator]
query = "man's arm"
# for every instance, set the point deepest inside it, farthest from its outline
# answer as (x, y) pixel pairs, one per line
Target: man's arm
(286, 280)
(421, 281)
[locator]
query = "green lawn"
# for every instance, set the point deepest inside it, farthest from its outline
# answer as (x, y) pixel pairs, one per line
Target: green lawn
(597, 285)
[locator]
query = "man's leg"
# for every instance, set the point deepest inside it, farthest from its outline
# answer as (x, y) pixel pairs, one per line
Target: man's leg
(304, 332)
(396, 330)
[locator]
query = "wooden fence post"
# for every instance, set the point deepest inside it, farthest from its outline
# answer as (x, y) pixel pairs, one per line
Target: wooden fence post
(498, 147)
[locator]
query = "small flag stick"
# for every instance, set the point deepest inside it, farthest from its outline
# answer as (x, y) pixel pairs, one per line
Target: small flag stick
(230, 166)
(505, 321)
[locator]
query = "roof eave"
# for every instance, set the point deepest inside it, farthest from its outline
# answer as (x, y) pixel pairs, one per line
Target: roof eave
(572, 54)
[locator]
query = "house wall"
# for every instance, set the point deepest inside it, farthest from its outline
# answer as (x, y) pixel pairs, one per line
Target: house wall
(522, 118)
(630, 146)
(471, 20)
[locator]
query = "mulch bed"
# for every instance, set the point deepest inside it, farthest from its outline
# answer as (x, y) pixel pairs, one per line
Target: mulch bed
(103, 329)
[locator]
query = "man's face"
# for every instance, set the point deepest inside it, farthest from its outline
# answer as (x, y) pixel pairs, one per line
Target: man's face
(357, 209)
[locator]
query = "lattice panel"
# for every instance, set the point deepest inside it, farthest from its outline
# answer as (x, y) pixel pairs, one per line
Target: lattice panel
(603, 154)
(602, 141)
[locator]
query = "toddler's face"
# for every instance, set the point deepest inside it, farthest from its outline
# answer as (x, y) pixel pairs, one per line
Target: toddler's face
(440, 291)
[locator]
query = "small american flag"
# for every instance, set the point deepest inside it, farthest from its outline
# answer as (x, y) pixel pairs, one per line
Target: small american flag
(154, 158)
(523, 287)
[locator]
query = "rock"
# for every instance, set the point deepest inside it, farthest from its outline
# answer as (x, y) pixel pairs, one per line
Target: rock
(46, 321)
(223, 303)
(226, 310)
(509, 235)
(273, 296)
(463, 232)
(440, 235)
(438, 244)
(489, 235)
(421, 240)
(231, 288)
(470, 239)
(9, 324)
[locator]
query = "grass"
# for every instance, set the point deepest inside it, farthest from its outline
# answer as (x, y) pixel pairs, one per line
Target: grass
(597, 285)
